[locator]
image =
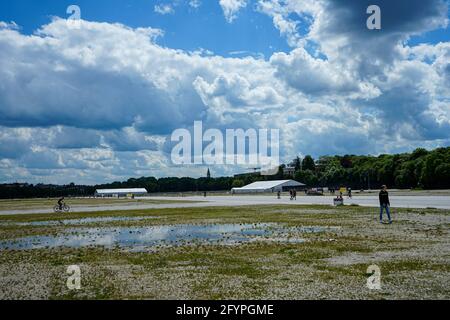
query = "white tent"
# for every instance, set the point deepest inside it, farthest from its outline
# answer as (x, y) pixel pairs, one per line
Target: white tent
(269, 186)
(120, 192)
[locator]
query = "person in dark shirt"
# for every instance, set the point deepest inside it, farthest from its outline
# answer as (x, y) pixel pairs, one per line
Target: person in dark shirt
(61, 203)
(384, 203)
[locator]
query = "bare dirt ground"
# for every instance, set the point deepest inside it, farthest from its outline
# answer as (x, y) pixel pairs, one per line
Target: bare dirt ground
(413, 255)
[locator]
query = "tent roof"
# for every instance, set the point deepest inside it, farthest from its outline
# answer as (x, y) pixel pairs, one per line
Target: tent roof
(115, 191)
(270, 184)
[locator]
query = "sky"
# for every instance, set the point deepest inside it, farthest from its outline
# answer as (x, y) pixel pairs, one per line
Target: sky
(98, 102)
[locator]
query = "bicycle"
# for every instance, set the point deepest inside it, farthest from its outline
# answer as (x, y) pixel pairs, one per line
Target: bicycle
(64, 208)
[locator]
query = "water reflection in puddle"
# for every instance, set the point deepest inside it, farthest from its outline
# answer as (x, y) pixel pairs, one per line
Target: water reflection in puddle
(76, 221)
(143, 238)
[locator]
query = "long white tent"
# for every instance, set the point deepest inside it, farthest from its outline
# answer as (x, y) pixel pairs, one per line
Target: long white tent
(269, 186)
(120, 192)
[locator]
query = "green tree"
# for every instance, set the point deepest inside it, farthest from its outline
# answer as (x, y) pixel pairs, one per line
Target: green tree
(418, 153)
(308, 163)
(443, 173)
(297, 163)
(346, 161)
(307, 177)
(237, 183)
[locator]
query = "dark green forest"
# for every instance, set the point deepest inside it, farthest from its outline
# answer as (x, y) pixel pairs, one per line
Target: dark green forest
(421, 169)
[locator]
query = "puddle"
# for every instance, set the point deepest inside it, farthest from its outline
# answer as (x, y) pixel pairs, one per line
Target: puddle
(317, 229)
(144, 238)
(75, 221)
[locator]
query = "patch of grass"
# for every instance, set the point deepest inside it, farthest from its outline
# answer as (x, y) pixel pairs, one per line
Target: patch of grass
(391, 267)
(49, 203)
(252, 270)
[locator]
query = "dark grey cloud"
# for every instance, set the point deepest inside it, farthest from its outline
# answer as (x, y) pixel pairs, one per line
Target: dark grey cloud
(400, 17)
(344, 21)
(74, 138)
(42, 159)
(128, 140)
(12, 148)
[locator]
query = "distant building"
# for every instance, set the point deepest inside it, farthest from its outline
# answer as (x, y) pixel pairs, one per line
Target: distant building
(270, 186)
(289, 171)
(120, 192)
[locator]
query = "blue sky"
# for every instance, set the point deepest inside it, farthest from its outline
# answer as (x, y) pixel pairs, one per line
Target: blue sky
(187, 28)
(99, 103)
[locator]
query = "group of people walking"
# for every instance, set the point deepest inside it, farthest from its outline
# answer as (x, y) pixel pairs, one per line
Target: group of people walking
(293, 194)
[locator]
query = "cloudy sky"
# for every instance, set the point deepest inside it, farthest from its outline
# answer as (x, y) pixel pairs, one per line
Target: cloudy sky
(98, 103)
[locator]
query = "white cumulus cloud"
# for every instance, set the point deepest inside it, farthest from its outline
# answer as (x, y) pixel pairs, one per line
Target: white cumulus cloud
(164, 9)
(231, 8)
(98, 103)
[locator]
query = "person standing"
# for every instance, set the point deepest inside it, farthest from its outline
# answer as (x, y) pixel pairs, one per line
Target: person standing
(384, 203)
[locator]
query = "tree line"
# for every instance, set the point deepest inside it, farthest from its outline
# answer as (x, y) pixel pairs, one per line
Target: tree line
(419, 169)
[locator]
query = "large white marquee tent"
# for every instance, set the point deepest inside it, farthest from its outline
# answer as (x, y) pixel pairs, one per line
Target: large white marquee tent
(269, 186)
(120, 192)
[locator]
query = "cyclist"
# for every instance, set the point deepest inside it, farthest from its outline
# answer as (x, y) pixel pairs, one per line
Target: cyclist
(61, 203)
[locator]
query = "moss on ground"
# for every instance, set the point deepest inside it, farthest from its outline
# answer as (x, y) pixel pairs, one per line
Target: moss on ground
(330, 265)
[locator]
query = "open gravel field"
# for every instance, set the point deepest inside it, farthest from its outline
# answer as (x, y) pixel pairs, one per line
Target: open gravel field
(266, 252)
